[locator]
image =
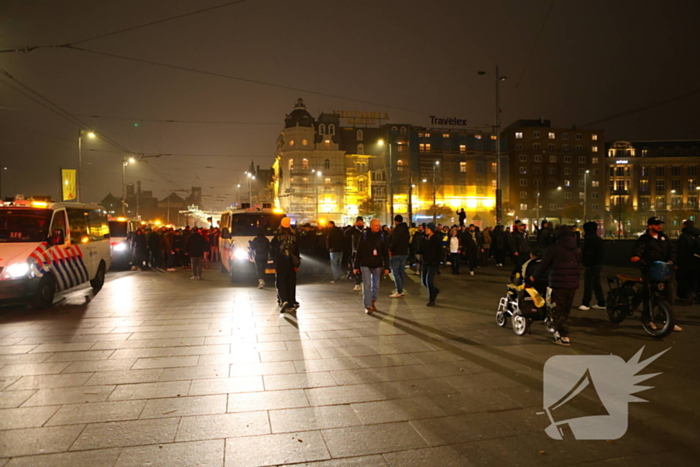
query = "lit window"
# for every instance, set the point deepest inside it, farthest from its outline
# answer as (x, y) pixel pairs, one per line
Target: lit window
(462, 148)
(400, 147)
(328, 181)
(305, 163)
(304, 142)
(594, 148)
(494, 137)
(523, 207)
(399, 165)
(551, 135)
(360, 148)
(462, 167)
(494, 167)
(427, 135)
(567, 182)
(552, 158)
(594, 160)
(290, 164)
(360, 135)
(594, 137)
(523, 158)
(424, 147)
(445, 135)
(645, 152)
(518, 135)
(477, 136)
(595, 183)
(291, 142)
(327, 144)
(523, 182)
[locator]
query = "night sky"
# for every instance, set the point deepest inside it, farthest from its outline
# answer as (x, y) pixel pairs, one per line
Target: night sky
(411, 59)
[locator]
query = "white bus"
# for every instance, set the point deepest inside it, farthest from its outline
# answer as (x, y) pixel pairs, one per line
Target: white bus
(238, 228)
(47, 248)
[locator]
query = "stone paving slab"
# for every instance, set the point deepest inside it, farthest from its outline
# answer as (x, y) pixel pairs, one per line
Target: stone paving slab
(159, 370)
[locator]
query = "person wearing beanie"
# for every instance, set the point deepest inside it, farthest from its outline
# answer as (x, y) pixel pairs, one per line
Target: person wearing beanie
(592, 260)
(560, 263)
(285, 252)
(372, 259)
(398, 250)
(432, 255)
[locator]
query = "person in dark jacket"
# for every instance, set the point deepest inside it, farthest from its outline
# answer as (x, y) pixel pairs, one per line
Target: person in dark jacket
(592, 260)
(462, 217)
(519, 245)
(372, 259)
(352, 236)
(398, 248)
(560, 263)
(335, 244)
(473, 246)
(184, 258)
(499, 244)
(139, 248)
(653, 246)
(545, 235)
(688, 263)
(432, 256)
(260, 246)
(154, 255)
(417, 244)
(285, 252)
(195, 247)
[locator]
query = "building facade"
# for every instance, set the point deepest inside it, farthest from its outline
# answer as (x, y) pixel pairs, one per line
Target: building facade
(651, 178)
(555, 173)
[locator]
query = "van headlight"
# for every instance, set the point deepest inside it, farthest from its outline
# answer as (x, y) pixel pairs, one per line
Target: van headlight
(120, 246)
(240, 254)
(17, 271)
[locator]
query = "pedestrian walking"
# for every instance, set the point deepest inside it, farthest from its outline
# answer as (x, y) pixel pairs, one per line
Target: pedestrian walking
(417, 243)
(353, 236)
(455, 250)
(260, 246)
(499, 244)
(195, 247)
(335, 243)
(592, 260)
(285, 252)
(560, 263)
(432, 256)
(139, 250)
(486, 246)
(372, 259)
(519, 245)
(472, 246)
(398, 249)
(153, 241)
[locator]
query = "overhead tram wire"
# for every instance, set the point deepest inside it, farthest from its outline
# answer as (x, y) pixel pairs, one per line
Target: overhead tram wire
(534, 45)
(167, 120)
(120, 31)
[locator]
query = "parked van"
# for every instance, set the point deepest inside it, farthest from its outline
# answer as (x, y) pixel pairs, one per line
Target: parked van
(120, 231)
(46, 248)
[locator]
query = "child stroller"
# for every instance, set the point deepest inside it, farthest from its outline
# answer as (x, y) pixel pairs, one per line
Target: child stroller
(523, 305)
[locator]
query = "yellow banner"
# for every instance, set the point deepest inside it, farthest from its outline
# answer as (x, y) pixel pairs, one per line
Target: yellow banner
(69, 184)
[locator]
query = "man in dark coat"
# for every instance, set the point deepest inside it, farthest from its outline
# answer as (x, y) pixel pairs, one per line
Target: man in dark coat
(285, 253)
(499, 245)
(352, 236)
(195, 247)
(462, 217)
(432, 256)
(688, 262)
(335, 243)
(519, 245)
(473, 246)
(417, 244)
(398, 248)
(139, 248)
(260, 246)
(545, 235)
(154, 254)
(372, 259)
(560, 263)
(592, 260)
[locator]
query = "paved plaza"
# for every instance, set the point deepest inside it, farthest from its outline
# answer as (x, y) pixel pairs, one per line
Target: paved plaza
(161, 370)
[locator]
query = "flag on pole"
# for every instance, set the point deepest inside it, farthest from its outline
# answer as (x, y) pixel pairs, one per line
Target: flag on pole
(69, 184)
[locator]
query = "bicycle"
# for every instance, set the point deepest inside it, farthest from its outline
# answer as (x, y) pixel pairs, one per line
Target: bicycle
(628, 294)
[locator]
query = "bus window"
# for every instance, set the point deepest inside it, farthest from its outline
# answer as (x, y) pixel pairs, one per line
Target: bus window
(98, 228)
(77, 218)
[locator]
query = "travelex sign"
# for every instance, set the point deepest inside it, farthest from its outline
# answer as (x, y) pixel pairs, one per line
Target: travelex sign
(448, 121)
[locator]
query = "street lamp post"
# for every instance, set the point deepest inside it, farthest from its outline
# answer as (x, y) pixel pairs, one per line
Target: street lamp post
(499, 194)
(238, 196)
(390, 191)
(251, 177)
(537, 207)
(697, 190)
(318, 180)
(90, 135)
(435, 166)
(585, 193)
(125, 161)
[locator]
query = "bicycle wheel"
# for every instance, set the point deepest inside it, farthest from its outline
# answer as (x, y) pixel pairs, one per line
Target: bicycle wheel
(662, 319)
(617, 312)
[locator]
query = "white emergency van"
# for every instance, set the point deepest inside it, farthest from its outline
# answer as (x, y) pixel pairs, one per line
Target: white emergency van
(120, 231)
(238, 228)
(47, 248)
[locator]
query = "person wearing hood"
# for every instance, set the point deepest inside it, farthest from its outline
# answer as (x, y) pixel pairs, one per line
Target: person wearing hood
(688, 262)
(285, 251)
(592, 260)
(560, 262)
(398, 250)
(260, 246)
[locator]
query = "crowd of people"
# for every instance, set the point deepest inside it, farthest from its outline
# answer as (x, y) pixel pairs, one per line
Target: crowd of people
(170, 249)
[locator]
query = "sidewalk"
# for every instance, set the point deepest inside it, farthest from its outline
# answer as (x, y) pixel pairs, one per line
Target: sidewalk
(161, 370)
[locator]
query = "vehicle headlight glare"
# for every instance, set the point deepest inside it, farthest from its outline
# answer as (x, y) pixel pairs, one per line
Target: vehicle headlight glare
(240, 254)
(17, 270)
(120, 247)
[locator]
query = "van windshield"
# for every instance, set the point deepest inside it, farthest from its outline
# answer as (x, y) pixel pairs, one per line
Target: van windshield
(117, 228)
(24, 225)
(248, 225)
